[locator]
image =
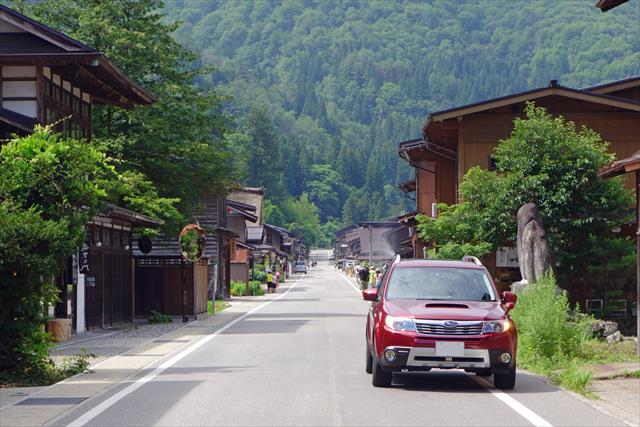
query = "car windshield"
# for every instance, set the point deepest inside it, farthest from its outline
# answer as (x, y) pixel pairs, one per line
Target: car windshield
(440, 283)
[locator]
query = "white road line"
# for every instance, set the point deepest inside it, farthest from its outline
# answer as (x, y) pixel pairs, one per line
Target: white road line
(98, 409)
(522, 410)
(351, 283)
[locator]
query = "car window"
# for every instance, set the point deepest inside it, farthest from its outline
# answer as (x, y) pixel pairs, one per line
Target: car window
(440, 283)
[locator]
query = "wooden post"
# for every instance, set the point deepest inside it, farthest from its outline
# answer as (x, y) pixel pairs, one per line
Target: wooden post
(184, 292)
(638, 261)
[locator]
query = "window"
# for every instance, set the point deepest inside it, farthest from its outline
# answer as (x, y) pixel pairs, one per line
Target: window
(66, 98)
(107, 237)
(440, 283)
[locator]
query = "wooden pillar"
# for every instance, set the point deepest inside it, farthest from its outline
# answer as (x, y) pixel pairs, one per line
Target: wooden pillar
(638, 261)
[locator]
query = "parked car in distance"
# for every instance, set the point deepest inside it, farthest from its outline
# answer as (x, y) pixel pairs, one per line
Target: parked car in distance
(300, 267)
(440, 314)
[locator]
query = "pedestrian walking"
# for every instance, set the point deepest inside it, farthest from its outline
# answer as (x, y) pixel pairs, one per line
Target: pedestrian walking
(363, 277)
(372, 277)
(378, 278)
(271, 282)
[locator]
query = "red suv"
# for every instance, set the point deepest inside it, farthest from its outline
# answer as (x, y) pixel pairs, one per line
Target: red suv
(440, 314)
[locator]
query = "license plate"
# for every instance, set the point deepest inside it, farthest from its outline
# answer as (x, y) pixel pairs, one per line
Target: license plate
(449, 349)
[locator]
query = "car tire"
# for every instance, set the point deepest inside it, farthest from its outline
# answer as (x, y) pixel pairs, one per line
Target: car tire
(505, 381)
(369, 361)
(380, 377)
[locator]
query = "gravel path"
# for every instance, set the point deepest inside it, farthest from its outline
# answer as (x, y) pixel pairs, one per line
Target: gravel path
(115, 344)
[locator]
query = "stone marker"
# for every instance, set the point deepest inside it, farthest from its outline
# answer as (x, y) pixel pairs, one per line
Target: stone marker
(534, 253)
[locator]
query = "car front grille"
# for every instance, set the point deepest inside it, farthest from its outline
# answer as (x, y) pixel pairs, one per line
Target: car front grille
(439, 328)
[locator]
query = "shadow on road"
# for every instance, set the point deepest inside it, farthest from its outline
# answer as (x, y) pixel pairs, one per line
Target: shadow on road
(453, 381)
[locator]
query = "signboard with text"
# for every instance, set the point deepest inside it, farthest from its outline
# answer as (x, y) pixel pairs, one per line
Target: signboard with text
(83, 259)
(507, 257)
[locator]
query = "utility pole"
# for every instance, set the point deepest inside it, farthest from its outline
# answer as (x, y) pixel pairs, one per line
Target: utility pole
(370, 246)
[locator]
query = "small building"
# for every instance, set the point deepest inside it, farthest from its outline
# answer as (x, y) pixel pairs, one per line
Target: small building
(347, 243)
(159, 271)
(380, 241)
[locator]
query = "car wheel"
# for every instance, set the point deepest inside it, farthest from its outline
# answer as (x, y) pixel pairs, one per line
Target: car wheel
(369, 361)
(380, 377)
(505, 381)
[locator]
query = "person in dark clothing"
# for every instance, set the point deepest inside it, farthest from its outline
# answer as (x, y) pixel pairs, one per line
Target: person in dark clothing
(363, 277)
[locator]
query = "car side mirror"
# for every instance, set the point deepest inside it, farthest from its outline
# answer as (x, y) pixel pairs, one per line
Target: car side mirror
(370, 294)
(508, 307)
(509, 297)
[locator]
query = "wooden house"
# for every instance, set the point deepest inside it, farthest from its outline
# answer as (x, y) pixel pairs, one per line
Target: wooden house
(238, 216)
(347, 243)
(459, 138)
(380, 241)
(47, 77)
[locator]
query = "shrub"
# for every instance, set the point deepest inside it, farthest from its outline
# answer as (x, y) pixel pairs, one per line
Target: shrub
(258, 275)
(45, 200)
(255, 289)
(238, 288)
(545, 331)
(157, 317)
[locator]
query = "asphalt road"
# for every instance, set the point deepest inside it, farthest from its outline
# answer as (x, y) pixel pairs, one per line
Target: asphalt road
(299, 360)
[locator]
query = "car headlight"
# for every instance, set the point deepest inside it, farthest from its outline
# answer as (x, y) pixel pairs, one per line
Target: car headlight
(400, 323)
(496, 326)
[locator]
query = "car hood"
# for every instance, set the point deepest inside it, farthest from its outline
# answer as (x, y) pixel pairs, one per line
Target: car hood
(445, 310)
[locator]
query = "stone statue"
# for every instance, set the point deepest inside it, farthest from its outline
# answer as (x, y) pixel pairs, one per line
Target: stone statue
(534, 253)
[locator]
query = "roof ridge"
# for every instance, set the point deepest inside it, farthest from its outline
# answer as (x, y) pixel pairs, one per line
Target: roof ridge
(45, 28)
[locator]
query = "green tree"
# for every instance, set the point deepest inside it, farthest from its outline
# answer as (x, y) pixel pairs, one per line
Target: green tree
(326, 191)
(301, 216)
(178, 142)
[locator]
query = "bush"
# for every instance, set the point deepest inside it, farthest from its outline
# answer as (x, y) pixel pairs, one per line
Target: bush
(157, 317)
(45, 200)
(545, 331)
(240, 288)
(258, 275)
(255, 289)
(552, 340)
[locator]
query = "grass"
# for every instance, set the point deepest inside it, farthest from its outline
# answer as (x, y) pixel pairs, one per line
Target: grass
(560, 346)
(631, 374)
(219, 306)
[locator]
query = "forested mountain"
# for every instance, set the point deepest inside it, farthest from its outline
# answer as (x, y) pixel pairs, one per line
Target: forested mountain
(322, 91)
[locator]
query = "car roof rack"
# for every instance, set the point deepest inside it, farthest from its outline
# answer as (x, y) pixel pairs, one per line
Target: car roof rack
(469, 258)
